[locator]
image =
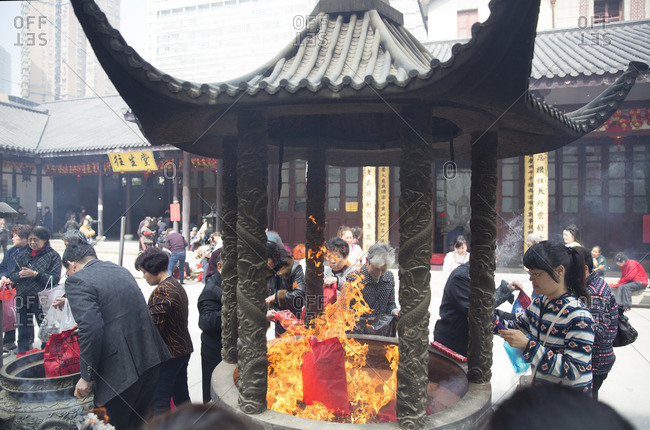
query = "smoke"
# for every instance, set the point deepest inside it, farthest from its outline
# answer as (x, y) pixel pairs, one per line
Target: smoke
(510, 248)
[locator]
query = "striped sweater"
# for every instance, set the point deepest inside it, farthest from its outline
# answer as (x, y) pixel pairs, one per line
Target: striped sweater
(566, 358)
(604, 311)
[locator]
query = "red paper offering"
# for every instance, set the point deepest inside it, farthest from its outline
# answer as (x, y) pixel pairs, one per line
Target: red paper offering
(323, 376)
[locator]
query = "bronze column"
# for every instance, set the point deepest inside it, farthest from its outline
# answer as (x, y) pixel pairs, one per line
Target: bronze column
(483, 197)
(229, 252)
(251, 261)
(315, 234)
(414, 266)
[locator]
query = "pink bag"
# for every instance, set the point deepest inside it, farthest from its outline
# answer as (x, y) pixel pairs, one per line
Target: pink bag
(8, 297)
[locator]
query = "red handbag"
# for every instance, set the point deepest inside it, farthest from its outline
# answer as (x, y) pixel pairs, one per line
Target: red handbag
(61, 354)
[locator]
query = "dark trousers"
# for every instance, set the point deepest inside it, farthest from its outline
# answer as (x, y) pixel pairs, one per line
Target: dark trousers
(9, 337)
(172, 384)
(133, 407)
(27, 308)
(597, 382)
(208, 363)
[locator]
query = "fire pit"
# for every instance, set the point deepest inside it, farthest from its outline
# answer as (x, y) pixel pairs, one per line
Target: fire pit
(453, 402)
(29, 400)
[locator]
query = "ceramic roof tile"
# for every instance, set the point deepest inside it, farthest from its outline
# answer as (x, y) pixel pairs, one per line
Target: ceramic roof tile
(574, 52)
(20, 127)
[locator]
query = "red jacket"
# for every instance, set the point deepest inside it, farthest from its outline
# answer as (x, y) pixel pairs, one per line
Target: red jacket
(632, 271)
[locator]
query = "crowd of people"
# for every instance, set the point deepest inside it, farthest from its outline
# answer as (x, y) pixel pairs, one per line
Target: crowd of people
(134, 353)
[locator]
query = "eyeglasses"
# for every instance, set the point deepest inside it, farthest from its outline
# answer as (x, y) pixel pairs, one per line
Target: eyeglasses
(34, 239)
(534, 275)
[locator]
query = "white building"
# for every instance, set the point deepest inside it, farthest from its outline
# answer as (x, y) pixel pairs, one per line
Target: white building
(216, 40)
(5, 71)
(453, 19)
(56, 60)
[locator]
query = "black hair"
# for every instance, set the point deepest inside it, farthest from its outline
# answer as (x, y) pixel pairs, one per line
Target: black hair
(153, 260)
(548, 255)
(277, 254)
(74, 236)
(41, 232)
(339, 245)
(573, 229)
(547, 406)
(620, 258)
(460, 241)
(77, 251)
(202, 417)
(21, 230)
(589, 261)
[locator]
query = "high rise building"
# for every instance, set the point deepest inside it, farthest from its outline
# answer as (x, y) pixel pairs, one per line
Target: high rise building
(56, 60)
(216, 40)
(5, 71)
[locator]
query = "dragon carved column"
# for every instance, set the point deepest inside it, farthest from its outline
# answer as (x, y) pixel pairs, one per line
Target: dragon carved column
(252, 199)
(483, 198)
(229, 252)
(414, 266)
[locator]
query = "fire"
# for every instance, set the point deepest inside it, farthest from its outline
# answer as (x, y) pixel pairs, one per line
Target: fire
(315, 255)
(369, 390)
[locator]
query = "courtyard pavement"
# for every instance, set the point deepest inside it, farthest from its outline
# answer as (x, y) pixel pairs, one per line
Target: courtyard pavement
(626, 388)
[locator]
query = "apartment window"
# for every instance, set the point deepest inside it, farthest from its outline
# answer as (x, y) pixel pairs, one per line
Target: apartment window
(466, 18)
(608, 11)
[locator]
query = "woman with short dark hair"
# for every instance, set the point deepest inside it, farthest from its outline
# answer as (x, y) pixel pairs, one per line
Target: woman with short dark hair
(168, 305)
(35, 265)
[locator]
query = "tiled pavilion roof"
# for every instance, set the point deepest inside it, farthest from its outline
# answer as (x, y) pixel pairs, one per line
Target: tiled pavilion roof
(604, 51)
(345, 83)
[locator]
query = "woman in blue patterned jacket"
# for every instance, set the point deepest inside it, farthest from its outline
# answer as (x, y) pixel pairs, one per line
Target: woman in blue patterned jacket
(560, 354)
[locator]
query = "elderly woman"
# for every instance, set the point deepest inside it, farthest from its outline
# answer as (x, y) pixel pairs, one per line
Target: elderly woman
(378, 287)
(169, 309)
(36, 264)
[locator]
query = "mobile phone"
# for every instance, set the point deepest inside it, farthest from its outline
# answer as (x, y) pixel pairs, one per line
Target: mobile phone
(499, 324)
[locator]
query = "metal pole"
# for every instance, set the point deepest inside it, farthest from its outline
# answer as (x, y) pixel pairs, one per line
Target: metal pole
(120, 253)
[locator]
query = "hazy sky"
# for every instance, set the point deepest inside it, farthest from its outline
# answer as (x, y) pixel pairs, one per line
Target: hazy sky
(132, 26)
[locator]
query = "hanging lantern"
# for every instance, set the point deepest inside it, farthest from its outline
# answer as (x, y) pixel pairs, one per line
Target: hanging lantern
(78, 178)
(146, 175)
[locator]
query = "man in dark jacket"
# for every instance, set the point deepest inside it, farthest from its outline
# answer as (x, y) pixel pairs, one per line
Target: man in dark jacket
(209, 305)
(120, 349)
(452, 329)
(176, 244)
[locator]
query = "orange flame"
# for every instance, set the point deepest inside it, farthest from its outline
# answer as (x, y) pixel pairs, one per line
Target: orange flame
(316, 255)
(369, 390)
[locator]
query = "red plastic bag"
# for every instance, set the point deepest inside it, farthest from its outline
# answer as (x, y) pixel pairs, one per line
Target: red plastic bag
(323, 376)
(61, 354)
(286, 318)
(329, 295)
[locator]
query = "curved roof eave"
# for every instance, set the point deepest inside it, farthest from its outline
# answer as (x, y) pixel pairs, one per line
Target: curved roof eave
(491, 70)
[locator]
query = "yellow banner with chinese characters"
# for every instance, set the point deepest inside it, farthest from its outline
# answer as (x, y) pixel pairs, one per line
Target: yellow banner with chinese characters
(369, 206)
(536, 196)
(383, 203)
(132, 161)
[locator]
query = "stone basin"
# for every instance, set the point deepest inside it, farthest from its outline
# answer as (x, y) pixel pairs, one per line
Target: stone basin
(29, 400)
(455, 403)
